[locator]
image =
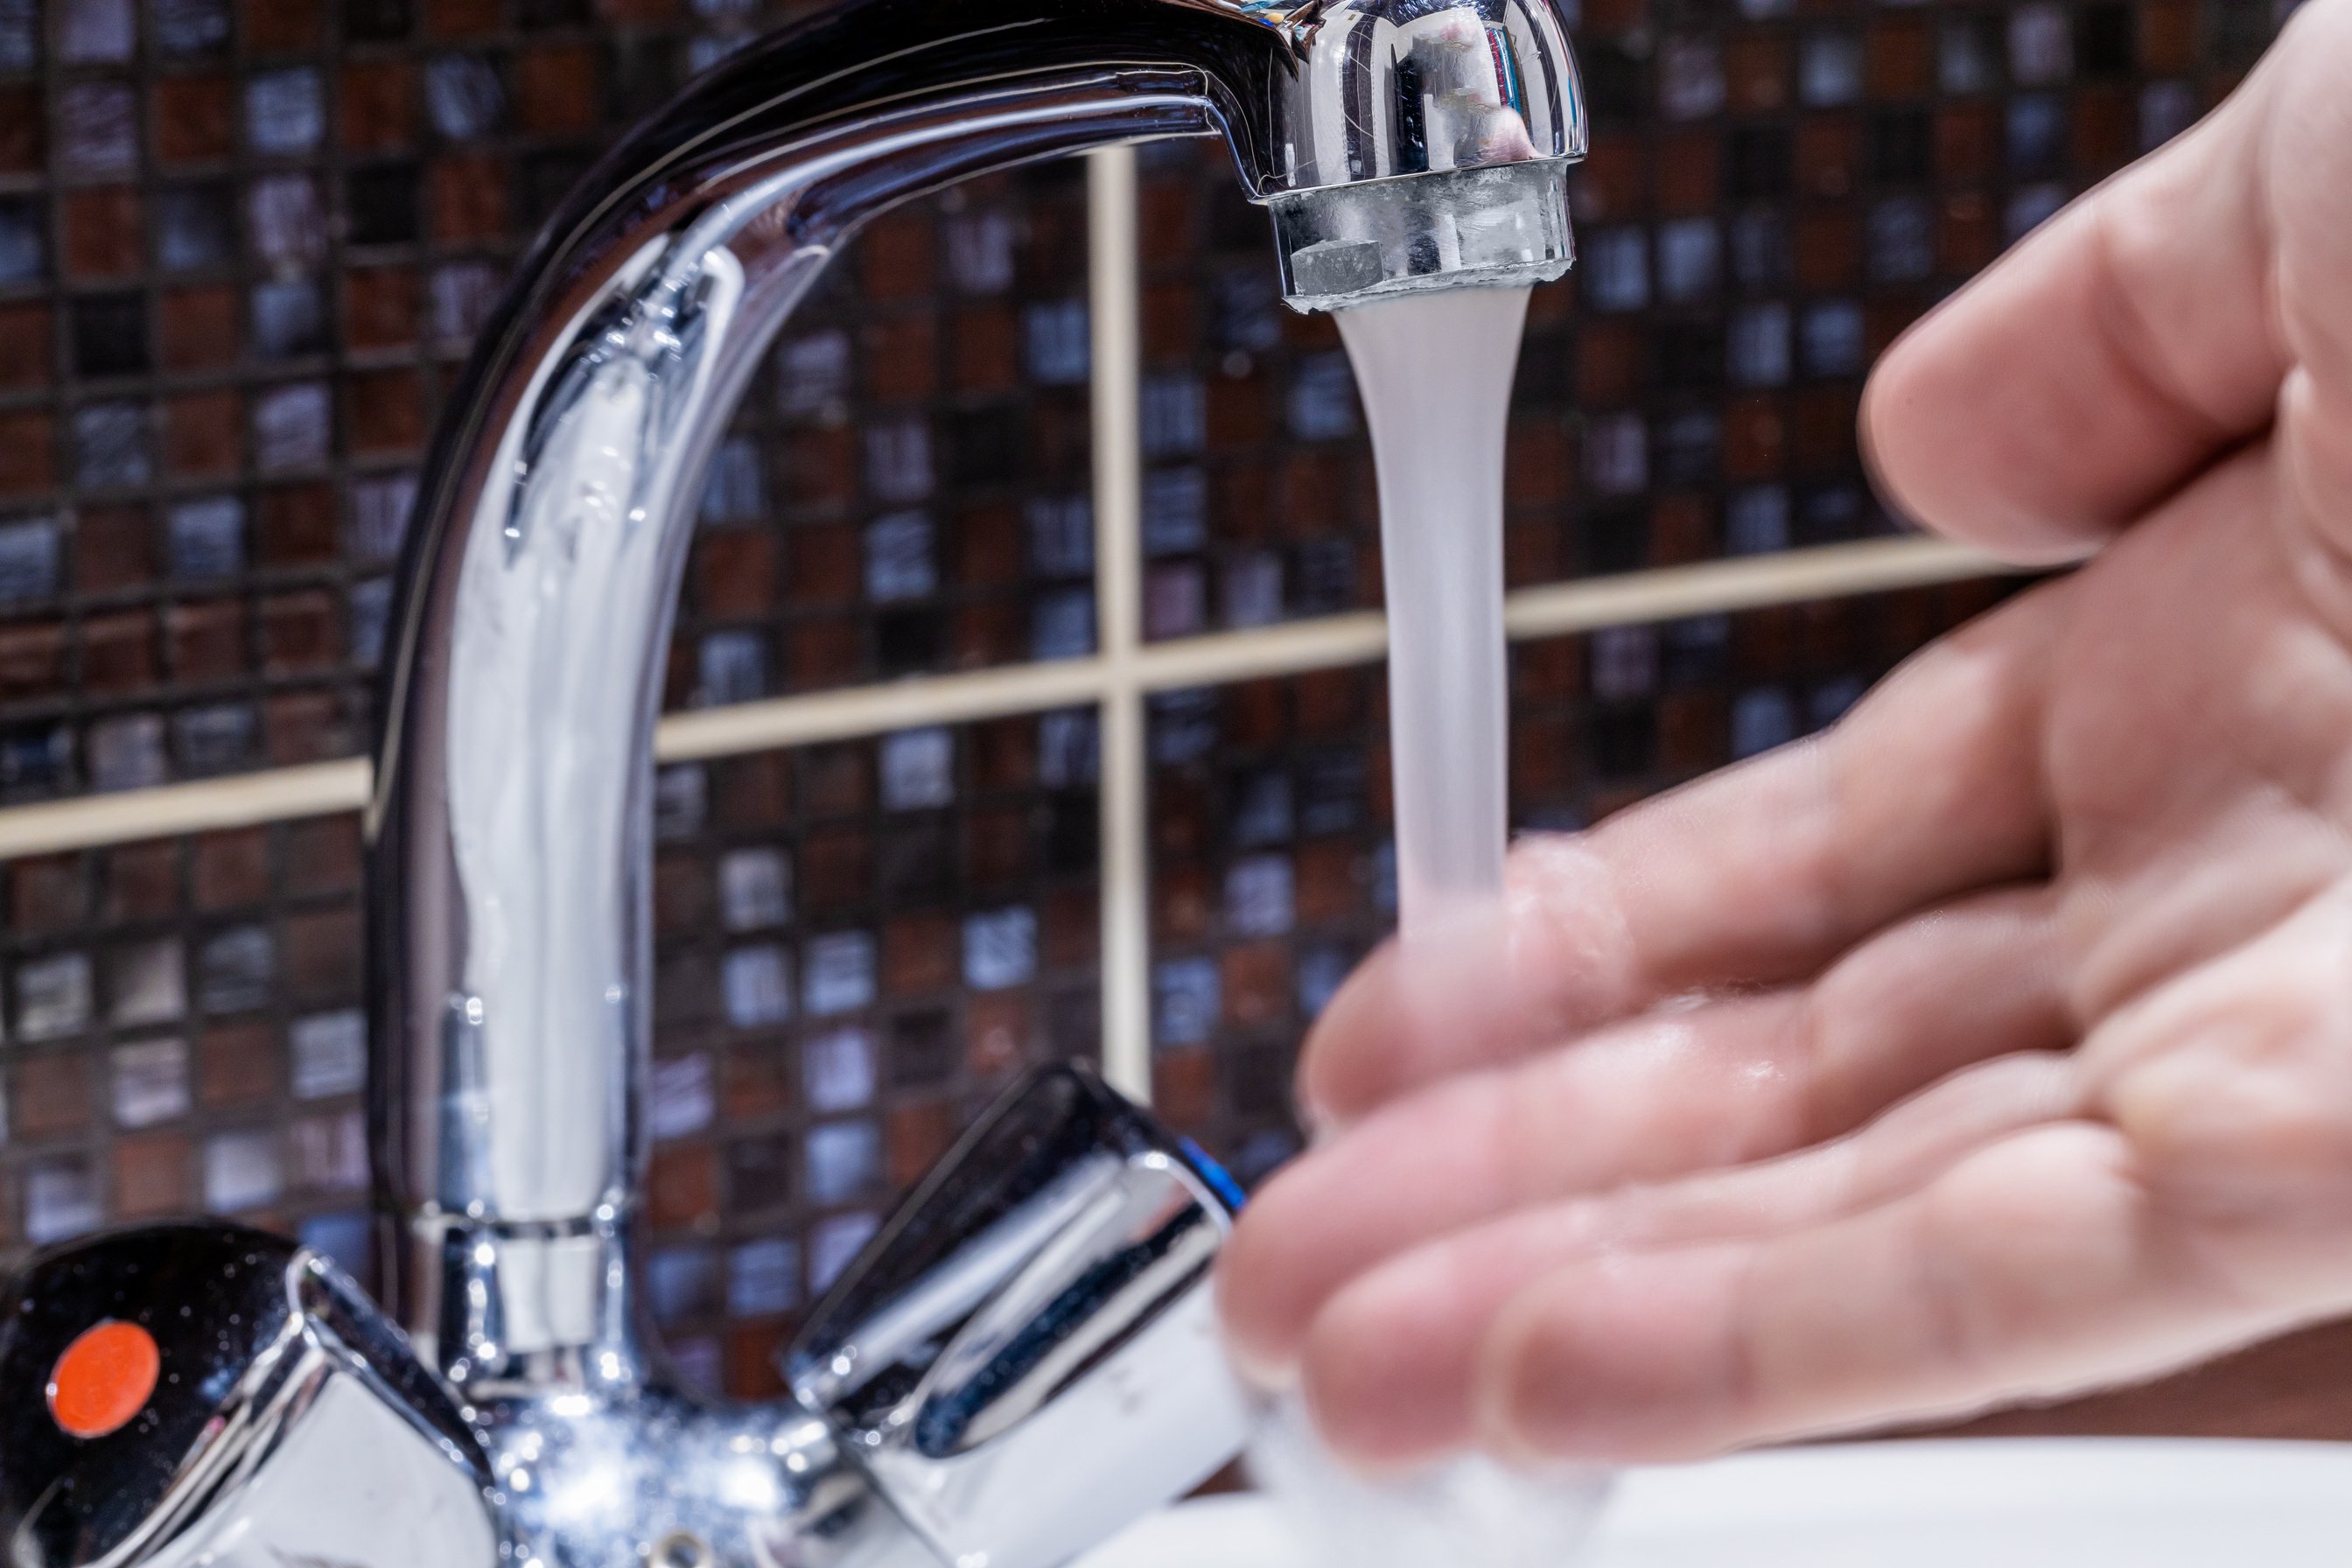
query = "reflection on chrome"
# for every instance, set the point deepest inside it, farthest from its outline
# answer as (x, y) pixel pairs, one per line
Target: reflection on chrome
(1024, 1359)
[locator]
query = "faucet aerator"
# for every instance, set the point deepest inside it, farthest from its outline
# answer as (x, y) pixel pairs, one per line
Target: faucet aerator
(1503, 226)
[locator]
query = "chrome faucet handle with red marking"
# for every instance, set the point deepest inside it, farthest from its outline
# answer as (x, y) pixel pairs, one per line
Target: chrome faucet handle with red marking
(203, 1393)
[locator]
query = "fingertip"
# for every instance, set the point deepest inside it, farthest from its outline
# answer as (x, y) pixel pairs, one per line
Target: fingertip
(1360, 1441)
(1254, 1343)
(1606, 1363)
(1879, 431)
(1381, 1371)
(1264, 1373)
(1517, 1406)
(1914, 429)
(1323, 1219)
(1266, 1284)
(1343, 1063)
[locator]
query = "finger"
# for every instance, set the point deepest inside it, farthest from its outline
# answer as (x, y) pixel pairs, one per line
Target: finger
(2207, 1212)
(2037, 1267)
(1389, 1363)
(2108, 358)
(1721, 1084)
(1930, 787)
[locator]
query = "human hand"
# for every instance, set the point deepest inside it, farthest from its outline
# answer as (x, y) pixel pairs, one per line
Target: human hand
(1996, 1044)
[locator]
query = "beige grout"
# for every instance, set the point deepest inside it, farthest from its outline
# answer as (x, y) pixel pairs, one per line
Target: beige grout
(315, 789)
(1747, 583)
(1824, 571)
(878, 709)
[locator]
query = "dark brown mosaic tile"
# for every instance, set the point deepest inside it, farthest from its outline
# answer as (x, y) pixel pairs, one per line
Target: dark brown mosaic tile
(183, 1030)
(1272, 870)
(1773, 192)
(243, 248)
(183, 1033)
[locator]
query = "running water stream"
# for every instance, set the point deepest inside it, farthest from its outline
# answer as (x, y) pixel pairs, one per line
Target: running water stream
(1435, 371)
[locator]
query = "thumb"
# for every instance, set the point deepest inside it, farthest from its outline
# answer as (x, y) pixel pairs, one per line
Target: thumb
(2106, 360)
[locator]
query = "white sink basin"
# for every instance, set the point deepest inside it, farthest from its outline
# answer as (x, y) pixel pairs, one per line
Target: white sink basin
(2027, 1503)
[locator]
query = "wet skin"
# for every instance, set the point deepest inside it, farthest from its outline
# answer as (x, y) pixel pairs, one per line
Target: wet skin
(1996, 1044)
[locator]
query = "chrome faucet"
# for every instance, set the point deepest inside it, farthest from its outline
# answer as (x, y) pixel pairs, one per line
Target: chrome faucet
(1023, 1358)
(1021, 1361)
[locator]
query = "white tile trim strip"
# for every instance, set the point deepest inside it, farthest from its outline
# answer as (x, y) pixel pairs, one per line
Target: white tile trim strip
(1827, 571)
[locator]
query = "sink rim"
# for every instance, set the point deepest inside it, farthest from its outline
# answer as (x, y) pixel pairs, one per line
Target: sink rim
(1932, 1482)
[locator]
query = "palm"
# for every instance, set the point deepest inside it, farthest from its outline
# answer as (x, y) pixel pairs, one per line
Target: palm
(2199, 730)
(1994, 1044)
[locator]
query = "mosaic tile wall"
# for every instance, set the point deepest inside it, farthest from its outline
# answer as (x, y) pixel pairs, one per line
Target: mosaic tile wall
(244, 249)
(856, 945)
(1776, 188)
(859, 945)
(907, 488)
(183, 1030)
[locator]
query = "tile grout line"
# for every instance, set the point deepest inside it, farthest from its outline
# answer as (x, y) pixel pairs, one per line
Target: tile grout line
(240, 800)
(318, 789)
(1122, 780)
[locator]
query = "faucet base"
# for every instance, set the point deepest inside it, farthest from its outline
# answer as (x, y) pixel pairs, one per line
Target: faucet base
(510, 1309)
(602, 1478)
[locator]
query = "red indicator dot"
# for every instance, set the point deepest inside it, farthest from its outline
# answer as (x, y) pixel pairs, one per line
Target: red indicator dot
(103, 1379)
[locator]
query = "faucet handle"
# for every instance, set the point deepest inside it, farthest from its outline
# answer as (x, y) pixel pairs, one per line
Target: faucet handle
(1025, 1357)
(203, 1393)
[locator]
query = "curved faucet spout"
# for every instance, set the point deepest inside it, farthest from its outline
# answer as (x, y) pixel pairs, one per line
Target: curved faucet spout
(1398, 144)
(510, 828)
